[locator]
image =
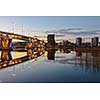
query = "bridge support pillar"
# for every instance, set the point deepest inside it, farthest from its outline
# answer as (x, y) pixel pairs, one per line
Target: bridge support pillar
(6, 43)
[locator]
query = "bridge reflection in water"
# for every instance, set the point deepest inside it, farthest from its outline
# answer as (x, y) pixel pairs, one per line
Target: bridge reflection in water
(6, 57)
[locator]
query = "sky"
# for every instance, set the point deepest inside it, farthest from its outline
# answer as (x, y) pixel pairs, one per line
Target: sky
(65, 27)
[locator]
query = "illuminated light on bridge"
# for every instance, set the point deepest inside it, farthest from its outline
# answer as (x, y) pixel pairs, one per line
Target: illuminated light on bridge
(11, 62)
(39, 49)
(29, 45)
(41, 53)
(32, 40)
(33, 56)
(4, 65)
(16, 61)
(0, 66)
(10, 36)
(30, 52)
(6, 40)
(19, 37)
(4, 35)
(35, 49)
(19, 60)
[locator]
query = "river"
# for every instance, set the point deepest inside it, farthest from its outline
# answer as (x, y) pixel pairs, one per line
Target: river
(52, 67)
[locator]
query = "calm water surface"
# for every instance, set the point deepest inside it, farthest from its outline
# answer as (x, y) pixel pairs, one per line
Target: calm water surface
(54, 66)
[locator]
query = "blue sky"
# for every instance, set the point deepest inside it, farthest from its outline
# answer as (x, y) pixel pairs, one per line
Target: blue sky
(54, 22)
(39, 25)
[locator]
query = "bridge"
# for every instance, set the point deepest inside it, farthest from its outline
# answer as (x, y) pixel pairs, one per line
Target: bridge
(6, 40)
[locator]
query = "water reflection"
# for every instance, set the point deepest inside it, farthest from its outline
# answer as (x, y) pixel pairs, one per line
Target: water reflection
(61, 65)
(6, 57)
(88, 60)
(51, 54)
(84, 60)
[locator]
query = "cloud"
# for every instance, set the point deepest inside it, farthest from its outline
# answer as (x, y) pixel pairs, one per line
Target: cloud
(60, 35)
(70, 29)
(40, 36)
(63, 30)
(75, 31)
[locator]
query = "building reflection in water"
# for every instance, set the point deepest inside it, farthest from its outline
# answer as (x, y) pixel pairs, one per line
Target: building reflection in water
(51, 54)
(85, 60)
(78, 54)
(88, 61)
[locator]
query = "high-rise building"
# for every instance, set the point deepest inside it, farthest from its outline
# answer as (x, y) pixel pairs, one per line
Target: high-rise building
(79, 42)
(51, 39)
(95, 42)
